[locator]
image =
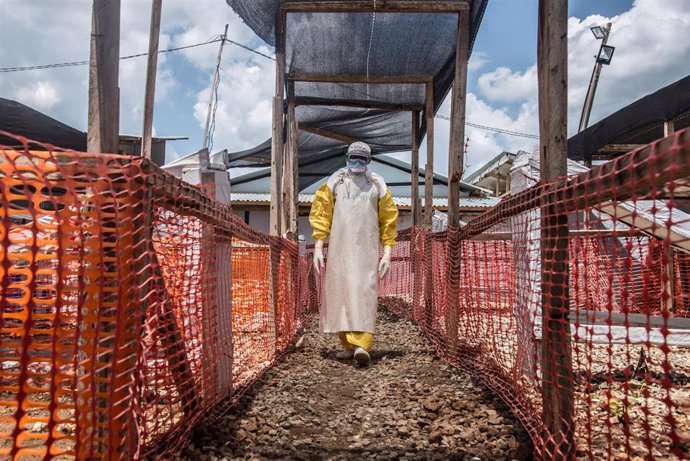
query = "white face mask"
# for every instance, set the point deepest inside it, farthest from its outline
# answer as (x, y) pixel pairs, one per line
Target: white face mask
(356, 166)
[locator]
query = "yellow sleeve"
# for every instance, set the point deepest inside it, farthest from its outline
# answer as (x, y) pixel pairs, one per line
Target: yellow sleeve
(388, 220)
(321, 214)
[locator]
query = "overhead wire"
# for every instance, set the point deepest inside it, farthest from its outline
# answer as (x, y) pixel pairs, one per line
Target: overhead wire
(138, 55)
(494, 129)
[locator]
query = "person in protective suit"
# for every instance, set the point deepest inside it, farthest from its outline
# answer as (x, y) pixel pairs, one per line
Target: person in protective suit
(355, 208)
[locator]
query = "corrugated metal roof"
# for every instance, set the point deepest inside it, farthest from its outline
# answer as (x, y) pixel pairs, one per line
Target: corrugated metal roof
(468, 202)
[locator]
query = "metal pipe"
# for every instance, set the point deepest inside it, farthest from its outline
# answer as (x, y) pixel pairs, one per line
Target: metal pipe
(587, 108)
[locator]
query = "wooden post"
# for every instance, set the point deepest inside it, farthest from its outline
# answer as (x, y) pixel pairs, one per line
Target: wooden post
(670, 285)
(429, 167)
(414, 173)
(428, 210)
(151, 68)
(290, 170)
(457, 120)
(277, 132)
(104, 63)
(556, 361)
(455, 169)
(277, 151)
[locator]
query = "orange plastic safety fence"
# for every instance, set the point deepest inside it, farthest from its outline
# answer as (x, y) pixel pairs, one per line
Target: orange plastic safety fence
(133, 306)
(570, 300)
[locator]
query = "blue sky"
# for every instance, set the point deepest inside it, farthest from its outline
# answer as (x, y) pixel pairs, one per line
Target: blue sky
(501, 86)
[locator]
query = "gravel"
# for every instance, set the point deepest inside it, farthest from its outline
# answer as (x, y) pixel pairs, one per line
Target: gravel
(406, 405)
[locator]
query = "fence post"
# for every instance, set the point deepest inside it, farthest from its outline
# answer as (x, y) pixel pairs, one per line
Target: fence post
(455, 170)
(557, 374)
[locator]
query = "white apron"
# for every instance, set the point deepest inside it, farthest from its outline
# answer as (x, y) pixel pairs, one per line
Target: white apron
(351, 291)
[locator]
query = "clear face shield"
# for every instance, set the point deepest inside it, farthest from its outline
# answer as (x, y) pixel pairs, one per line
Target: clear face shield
(357, 162)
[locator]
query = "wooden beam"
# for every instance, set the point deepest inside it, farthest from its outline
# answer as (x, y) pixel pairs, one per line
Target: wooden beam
(275, 217)
(455, 169)
(669, 266)
(290, 171)
(366, 6)
(414, 173)
(151, 67)
(617, 148)
(359, 78)
(309, 101)
(669, 128)
(104, 93)
(277, 130)
(457, 119)
(556, 357)
(326, 133)
(429, 167)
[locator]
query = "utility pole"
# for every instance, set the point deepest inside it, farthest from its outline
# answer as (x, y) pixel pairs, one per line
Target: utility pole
(212, 96)
(151, 69)
(587, 108)
(104, 94)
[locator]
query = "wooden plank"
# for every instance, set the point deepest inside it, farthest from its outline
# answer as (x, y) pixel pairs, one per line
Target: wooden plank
(359, 78)
(669, 263)
(151, 67)
(414, 172)
(556, 360)
(277, 130)
(326, 133)
(307, 101)
(457, 119)
(429, 167)
(290, 170)
(104, 93)
(455, 170)
(365, 6)
(277, 152)
(616, 148)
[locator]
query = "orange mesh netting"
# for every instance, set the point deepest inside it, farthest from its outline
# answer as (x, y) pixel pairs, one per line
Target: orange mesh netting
(570, 300)
(134, 305)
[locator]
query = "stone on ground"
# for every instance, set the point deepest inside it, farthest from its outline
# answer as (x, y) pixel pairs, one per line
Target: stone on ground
(406, 405)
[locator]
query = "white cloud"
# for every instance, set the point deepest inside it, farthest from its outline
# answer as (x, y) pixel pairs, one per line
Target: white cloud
(58, 31)
(504, 85)
(478, 60)
(652, 51)
(42, 95)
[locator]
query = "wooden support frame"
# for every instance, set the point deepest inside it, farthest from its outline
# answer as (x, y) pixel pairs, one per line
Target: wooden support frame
(151, 67)
(104, 63)
(277, 152)
(356, 78)
(290, 170)
(429, 167)
(556, 353)
(326, 133)
(307, 101)
(414, 173)
(455, 170)
(370, 6)
(278, 129)
(669, 258)
(428, 209)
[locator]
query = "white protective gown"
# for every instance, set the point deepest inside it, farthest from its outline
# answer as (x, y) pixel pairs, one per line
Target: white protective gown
(351, 286)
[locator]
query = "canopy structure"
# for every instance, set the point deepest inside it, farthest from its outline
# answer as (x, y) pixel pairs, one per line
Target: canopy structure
(368, 70)
(645, 120)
